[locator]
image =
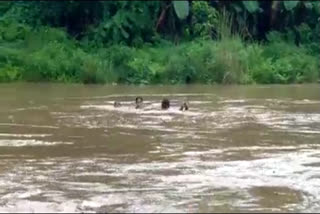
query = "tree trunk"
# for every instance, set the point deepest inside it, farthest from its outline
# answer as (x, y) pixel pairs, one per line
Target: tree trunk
(162, 17)
(274, 13)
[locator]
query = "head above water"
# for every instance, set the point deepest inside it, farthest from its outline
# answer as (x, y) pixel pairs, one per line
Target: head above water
(165, 104)
(139, 101)
(116, 104)
(184, 106)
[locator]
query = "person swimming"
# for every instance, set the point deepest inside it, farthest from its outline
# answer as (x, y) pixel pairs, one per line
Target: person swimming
(116, 104)
(184, 107)
(165, 104)
(139, 101)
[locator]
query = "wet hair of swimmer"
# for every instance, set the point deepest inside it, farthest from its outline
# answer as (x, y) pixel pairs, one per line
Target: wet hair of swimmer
(116, 104)
(184, 107)
(165, 104)
(139, 101)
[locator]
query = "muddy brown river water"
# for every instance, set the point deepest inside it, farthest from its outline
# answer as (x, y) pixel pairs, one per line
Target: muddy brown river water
(65, 148)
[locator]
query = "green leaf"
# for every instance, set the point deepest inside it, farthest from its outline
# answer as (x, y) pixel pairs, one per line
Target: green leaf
(124, 33)
(237, 8)
(308, 5)
(251, 6)
(102, 33)
(289, 5)
(181, 8)
(108, 25)
(316, 7)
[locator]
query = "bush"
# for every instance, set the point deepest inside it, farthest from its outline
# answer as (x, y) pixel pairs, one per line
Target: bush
(11, 30)
(9, 73)
(55, 57)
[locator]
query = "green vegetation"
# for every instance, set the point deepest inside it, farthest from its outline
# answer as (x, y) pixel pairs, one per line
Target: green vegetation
(155, 42)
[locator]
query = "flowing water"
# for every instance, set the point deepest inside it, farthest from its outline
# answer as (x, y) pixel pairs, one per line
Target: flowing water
(65, 148)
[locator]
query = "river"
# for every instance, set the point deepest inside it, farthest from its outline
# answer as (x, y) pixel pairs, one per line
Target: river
(65, 148)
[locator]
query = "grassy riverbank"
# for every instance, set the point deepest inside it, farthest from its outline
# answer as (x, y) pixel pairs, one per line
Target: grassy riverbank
(54, 57)
(41, 53)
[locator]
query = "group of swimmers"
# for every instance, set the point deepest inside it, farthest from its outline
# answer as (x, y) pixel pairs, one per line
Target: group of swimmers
(165, 104)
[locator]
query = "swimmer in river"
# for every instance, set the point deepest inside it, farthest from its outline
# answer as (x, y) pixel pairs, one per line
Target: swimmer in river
(139, 101)
(116, 104)
(165, 104)
(184, 107)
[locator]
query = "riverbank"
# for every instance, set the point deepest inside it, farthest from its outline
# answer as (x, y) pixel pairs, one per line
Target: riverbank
(161, 42)
(49, 55)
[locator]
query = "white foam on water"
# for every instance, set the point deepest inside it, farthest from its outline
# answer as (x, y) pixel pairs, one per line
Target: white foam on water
(31, 108)
(130, 109)
(26, 206)
(305, 101)
(31, 142)
(233, 101)
(24, 135)
(193, 176)
(22, 194)
(29, 125)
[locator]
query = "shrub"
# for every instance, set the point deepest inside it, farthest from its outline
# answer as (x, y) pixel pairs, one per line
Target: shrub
(55, 57)
(9, 73)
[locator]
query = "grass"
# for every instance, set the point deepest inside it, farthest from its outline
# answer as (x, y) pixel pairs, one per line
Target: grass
(48, 54)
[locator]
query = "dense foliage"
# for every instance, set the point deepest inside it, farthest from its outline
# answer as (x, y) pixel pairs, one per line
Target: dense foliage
(148, 42)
